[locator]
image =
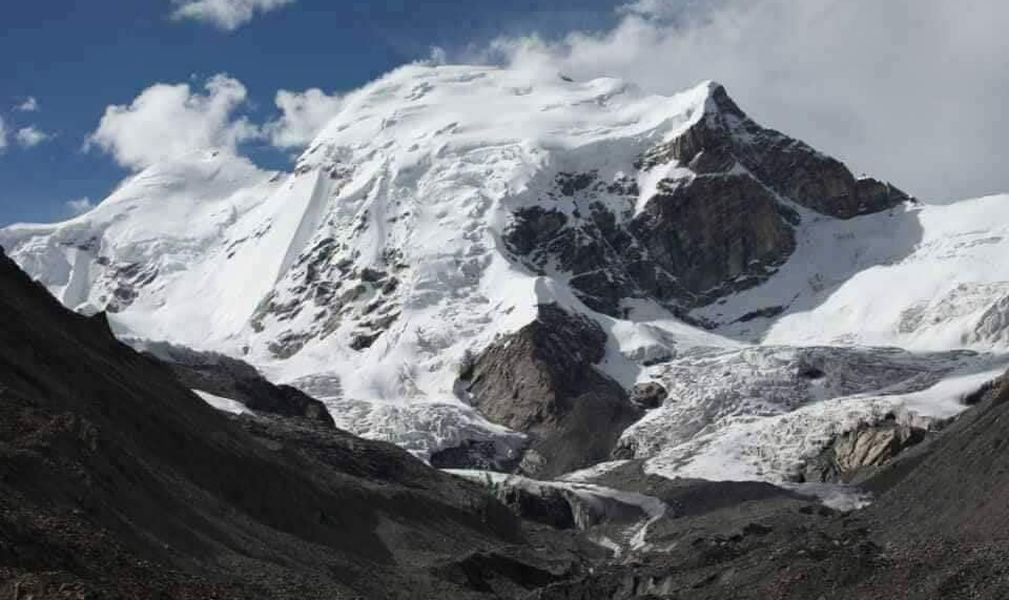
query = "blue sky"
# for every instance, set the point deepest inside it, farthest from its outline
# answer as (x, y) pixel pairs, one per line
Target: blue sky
(910, 91)
(75, 58)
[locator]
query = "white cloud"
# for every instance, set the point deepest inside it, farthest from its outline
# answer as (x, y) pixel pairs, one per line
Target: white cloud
(3, 135)
(303, 115)
(79, 206)
(226, 15)
(170, 120)
(31, 136)
(912, 91)
(29, 105)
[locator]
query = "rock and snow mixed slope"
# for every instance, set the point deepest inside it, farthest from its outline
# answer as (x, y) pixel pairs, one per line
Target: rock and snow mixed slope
(443, 205)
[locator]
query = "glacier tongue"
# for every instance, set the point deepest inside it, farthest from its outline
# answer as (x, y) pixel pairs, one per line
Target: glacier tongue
(370, 274)
(762, 412)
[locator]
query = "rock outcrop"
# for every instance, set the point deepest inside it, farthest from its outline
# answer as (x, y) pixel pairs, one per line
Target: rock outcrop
(856, 455)
(726, 138)
(720, 218)
(237, 380)
(649, 395)
(541, 381)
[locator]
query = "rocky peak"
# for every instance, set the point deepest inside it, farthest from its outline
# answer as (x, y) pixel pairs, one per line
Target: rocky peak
(726, 139)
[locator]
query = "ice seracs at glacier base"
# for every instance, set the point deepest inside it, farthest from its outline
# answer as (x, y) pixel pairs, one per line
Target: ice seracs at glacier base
(388, 258)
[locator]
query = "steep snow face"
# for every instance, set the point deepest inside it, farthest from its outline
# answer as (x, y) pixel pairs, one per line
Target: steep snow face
(368, 274)
(925, 278)
(152, 252)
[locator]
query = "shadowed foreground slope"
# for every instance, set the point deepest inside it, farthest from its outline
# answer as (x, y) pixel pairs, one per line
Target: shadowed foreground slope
(115, 481)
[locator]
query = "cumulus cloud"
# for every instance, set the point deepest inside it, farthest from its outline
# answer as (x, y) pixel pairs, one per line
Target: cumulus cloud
(170, 120)
(303, 115)
(226, 15)
(79, 206)
(31, 136)
(29, 105)
(908, 90)
(3, 135)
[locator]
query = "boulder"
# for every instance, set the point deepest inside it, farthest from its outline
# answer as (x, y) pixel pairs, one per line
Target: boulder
(855, 455)
(649, 395)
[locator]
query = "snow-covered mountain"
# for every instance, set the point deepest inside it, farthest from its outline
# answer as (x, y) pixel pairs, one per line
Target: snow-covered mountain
(421, 233)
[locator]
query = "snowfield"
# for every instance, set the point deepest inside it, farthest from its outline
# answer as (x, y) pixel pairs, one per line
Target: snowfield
(369, 272)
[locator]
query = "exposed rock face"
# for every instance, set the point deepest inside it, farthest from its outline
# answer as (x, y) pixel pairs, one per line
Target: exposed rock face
(323, 280)
(718, 221)
(857, 454)
(649, 395)
(541, 381)
(726, 137)
(715, 232)
(231, 378)
(691, 243)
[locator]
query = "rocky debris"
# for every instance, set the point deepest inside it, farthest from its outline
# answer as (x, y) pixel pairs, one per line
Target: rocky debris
(363, 341)
(649, 395)
(855, 455)
(930, 483)
(541, 381)
(237, 380)
(498, 574)
(694, 498)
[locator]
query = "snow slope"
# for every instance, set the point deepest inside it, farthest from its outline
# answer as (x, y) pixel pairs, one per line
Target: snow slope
(367, 274)
(919, 277)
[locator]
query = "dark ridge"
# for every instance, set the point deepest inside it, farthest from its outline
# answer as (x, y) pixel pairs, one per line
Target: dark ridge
(237, 380)
(118, 482)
